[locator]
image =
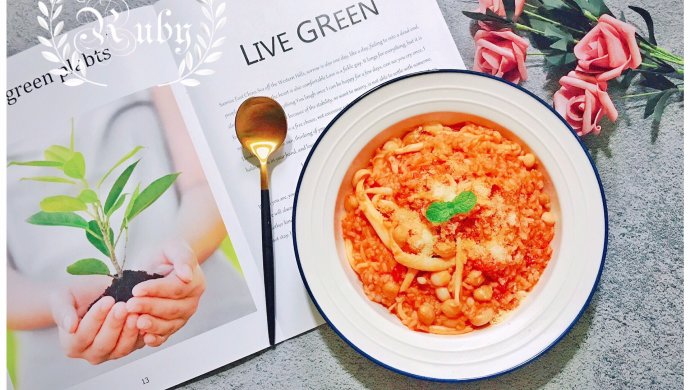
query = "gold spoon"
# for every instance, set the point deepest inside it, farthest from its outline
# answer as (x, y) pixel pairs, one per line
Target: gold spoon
(261, 127)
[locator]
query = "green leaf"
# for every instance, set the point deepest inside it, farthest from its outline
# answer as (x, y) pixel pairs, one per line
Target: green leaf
(490, 17)
(75, 167)
(57, 153)
(57, 219)
(554, 32)
(627, 79)
(509, 6)
(135, 194)
(656, 81)
(596, 7)
(62, 203)
(561, 59)
(560, 45)
(117, 164)
(95, 237)
(88, 196)
(661, 105)
(118, 186)
(89, 266)
(439, 212)
(151, 193)
(36, 163)
(464, 202)
(120, 201)
(651, 104)
(49, 179)
(553, 4)
(648, 20)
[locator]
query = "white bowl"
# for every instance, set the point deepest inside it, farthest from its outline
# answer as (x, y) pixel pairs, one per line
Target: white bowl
(550, 309)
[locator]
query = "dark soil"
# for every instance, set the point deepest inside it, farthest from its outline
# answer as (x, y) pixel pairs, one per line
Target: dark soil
(121, 288)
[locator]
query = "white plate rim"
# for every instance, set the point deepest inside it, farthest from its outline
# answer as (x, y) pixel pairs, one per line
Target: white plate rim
(572, 132)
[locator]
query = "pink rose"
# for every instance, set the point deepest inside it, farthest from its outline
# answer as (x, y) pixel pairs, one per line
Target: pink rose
(498, 8)
(501, 53)
(582, 101)
(608, 49)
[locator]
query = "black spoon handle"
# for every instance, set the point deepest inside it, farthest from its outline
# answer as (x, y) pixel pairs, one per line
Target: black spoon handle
(269, 279)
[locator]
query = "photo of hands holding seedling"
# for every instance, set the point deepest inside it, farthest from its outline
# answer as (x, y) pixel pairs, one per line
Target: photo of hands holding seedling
(135, 230)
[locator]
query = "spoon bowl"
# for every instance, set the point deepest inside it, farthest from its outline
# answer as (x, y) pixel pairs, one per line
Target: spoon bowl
(261, 126)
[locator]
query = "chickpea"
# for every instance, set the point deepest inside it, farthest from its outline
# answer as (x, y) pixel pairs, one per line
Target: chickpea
(390, 289)
(440, 278)
(548, 218)
(426, 313)
(444, 249)
(529, 160)
(351, 202)
(482, 316)
(483, 293)
(401, 234)
(475, 278)
(442, 294)
(544, 199)
(450, 308)
(391, 145)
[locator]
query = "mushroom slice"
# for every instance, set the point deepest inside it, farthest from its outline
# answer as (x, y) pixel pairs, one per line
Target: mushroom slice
(410, 148)
(460, 258)
(409, 277)
(376, 219)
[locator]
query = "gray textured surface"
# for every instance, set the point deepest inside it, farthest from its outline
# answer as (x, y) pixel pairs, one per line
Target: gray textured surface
(631, 335)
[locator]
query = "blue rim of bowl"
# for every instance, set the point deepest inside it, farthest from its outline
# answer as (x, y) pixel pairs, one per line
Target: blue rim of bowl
(584, 149)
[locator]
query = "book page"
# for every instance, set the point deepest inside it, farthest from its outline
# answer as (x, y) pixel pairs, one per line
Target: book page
(313, 58)
(76, 133)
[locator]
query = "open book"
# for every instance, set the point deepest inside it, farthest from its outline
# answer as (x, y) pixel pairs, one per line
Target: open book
(160, 85)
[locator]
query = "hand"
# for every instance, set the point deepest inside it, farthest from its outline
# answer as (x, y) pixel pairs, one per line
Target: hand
(106, 331)
(165, 305)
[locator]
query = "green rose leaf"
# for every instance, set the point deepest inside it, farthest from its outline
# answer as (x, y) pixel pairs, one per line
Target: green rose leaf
(661, 105)
(648, 21)
(49, 179)
(118, 186)
(89, 266)
(88, 196)
(596, 7)
(75, 167)
(150, 194)
(39, 163)
(62, 203)
(117, 164)
(58, 219)
(560, 45)
(95, 237)
(57, 153)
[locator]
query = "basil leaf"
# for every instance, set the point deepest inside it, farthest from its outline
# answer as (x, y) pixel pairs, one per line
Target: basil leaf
(464, 202)
(438, 212)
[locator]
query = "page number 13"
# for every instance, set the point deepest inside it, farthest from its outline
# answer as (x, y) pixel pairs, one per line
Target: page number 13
(144, 380)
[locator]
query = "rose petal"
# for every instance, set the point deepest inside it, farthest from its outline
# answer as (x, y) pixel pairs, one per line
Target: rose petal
(617, 54)
(492, 60)
(607, 106)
